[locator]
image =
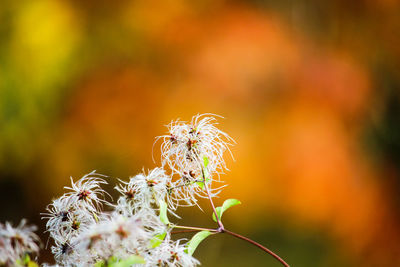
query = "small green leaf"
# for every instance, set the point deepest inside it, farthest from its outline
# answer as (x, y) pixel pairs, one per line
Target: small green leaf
(205, 161)
(134, 259)
(27, 259)
(157, 240)
(99, 264)
(200, 184)
(227, 204)
(112, 260)
(163, 212)
(205, 169)
(32, 264)
(195, 241)
(218, 210)
(95, 217)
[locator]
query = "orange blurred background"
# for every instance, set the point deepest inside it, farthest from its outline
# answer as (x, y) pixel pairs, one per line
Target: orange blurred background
(309, 90)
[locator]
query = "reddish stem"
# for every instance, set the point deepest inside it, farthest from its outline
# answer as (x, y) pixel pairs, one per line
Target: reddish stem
(193, 228)
(258, 245)
(189, 229)
(183, 231)
(221, 226)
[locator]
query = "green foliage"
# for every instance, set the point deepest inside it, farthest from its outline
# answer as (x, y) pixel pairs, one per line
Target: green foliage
(205, 161)
(200, 184)
(134, 259)
(157, 240)
(195, 241)
(32, 264)
(26, 261)
(227, 204)
(163, 212)
(205, 170)
(115, 262)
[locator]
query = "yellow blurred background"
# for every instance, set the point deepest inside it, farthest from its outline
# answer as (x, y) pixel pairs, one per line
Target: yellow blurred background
(310, 91)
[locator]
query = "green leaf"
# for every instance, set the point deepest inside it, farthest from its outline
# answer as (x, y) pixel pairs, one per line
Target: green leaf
(195, 241)
(205, 161)
(112, 260)
(32, 264)
(157, 240)
(200, 184)
(163, 212)
(95, 217)
(134, 259)
(227, 204)
(218, 210)
(27, 259)
(205, 170)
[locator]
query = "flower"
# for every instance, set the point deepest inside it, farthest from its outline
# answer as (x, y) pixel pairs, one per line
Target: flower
(85, 235)
(64, 253)
(15, 242)
(143, 191)
(73, 213)
(194, 152)
(87, 192)
(65, 220)
(116, 236)
(187, 144)
(172, 254)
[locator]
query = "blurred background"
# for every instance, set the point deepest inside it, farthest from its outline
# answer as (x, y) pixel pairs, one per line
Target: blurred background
(310, 90)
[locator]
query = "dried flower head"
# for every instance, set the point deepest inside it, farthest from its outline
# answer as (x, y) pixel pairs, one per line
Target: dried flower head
(195, 153)
(172, 254)
(116, 236)
(16, 242)
(186, 144)
(143, 191)
(87, 191)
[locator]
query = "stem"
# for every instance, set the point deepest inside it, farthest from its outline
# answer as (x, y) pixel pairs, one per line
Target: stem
(194, 228)
(258, 245)
(182, 185)
(190, 229)
(221, 226)
(184, 231)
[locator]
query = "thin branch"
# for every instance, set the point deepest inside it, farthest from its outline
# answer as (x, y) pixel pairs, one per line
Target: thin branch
(189, 229)
(182, 185)
(221, 226)
(184, 231)
(258, 245)
(193, 228)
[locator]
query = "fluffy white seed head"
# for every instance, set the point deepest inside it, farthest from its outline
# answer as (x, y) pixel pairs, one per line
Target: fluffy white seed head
(15, 242)
(143, 191)
(73, 213)
(194, 152)
(87, 191)
(83, 234)
(186, 144)
(116, 236)
(172, 254)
